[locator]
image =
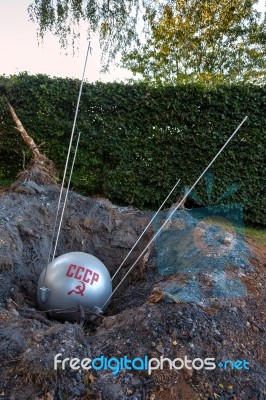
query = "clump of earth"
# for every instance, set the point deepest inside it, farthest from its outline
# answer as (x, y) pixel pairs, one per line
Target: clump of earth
(198, 292)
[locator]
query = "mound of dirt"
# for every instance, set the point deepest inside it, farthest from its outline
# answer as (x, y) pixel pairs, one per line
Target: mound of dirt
(199, 293)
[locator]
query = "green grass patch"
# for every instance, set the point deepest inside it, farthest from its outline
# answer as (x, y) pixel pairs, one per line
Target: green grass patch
(258, 234)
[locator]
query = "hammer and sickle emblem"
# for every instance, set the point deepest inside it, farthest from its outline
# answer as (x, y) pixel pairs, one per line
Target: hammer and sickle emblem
(79, 289)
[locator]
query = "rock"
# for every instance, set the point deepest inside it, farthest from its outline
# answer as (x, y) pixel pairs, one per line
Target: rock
(111, 391)
(77, 391)
(135, 381)
(78, 377)
(187, 374)
(34, 186)
(255, 328)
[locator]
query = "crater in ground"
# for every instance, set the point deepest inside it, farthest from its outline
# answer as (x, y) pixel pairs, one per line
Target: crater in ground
(198, 291)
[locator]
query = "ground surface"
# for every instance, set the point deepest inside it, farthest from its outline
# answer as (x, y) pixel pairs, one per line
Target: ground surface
(199, 293)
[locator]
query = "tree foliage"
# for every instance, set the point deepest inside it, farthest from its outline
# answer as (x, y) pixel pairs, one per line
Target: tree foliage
(114, 20)
(203, 40)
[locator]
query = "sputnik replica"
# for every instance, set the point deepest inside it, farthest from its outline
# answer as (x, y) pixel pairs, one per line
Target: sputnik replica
(78, 283)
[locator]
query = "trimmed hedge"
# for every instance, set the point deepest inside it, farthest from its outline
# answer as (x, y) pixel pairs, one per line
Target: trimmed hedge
(138, 140)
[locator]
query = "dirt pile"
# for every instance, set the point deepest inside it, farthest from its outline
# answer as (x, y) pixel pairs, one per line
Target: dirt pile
(91, 225)
(182, 301)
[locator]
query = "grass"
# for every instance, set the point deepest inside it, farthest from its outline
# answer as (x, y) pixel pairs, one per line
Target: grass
(257, 234)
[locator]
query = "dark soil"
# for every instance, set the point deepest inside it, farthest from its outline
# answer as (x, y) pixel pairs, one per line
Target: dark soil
(181, 299)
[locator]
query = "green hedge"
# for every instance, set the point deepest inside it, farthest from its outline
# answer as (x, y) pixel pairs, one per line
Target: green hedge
(137, 140)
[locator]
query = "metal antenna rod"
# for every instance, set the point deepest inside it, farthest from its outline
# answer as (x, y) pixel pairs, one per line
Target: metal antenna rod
(67, 161)
(172, 213)
(155, 215)
(66, 196)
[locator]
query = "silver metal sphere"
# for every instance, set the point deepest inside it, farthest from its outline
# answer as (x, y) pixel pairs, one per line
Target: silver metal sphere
(73, 280)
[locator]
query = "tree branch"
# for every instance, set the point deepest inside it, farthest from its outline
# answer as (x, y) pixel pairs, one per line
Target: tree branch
(27, 139)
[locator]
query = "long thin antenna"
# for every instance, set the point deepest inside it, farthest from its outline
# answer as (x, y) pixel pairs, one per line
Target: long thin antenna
(172, 213)
(66, 166)
(66, 196)
(155, 215)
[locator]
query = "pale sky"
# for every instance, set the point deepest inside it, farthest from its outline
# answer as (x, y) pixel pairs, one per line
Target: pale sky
(19, 50)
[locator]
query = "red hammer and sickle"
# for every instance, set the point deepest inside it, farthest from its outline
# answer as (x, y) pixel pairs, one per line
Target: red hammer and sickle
(79, 289)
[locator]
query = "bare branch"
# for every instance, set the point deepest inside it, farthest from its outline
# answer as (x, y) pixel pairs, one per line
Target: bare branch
(27, 139)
